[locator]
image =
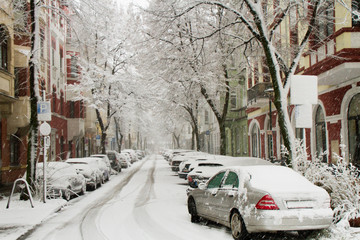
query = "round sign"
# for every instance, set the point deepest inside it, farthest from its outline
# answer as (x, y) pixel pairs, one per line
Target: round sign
(45, 129)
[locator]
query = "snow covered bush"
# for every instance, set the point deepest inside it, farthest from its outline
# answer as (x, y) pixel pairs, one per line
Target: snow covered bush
(340, 180)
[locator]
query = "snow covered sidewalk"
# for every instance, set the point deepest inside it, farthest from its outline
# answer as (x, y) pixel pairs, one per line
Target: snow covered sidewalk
(20, 217)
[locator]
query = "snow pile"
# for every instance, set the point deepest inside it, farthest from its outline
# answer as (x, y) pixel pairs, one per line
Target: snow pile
(340, 180)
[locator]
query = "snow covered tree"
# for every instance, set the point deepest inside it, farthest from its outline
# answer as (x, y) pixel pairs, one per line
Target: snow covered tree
(189, 54)
(105, 42)
(262, 21)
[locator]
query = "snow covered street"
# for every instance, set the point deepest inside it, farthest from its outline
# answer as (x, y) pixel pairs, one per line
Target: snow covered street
(146, 201)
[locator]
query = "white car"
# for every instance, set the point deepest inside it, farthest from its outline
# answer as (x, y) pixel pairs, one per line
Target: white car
(106, 160)
(252, 199)
(91, 172)
(125, 160)
(201, 171)
(184, 166)
(131, 153)
(62, 180)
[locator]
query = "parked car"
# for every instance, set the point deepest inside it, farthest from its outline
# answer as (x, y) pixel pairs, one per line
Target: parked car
(115, 159)
(125, 160)
(261, 199)
(132, 155)
(185, 156)
(62, 180)
(104, 158)
(140, 154)
(91, 171)
(185, 166)
(201, 172)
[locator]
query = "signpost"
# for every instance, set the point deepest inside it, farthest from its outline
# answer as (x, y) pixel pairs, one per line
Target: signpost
(44, 114)
(45, 131)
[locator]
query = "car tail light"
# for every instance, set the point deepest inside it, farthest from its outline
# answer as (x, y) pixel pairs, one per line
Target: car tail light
(190, 179)
(267, 203)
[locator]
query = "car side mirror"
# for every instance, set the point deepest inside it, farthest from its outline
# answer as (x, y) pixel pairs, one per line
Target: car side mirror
(202, 186)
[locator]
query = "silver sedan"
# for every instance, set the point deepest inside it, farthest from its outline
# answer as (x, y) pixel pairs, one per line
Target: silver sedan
(261, 199)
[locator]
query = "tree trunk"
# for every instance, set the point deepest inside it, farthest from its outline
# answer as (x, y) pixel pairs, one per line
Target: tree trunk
(103, 131)
(103, 142)
(118, 135)
(33, 134)
(280, 102)
(176, 140)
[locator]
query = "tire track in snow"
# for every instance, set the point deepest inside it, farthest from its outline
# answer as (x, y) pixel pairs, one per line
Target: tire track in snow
(92, 210)
(89, 222)
(149, 227)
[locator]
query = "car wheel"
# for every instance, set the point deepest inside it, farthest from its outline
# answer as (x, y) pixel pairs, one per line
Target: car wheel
(83, 189)
(237, 225)
(192, 210)
(67, 194)
(100, 182)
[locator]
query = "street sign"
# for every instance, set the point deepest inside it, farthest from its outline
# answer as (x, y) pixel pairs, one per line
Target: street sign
(44, 111)
(303, 116)
(304, 89)
(45, 129)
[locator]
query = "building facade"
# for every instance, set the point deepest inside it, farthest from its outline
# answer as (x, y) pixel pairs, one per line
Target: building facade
(333, 57)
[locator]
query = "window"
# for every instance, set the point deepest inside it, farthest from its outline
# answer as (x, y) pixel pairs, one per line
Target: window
(61, 52)
(215, 182)
(62, 148)
(4, 41)
(53, 48)
(324, 26)
(74, 66)
(14, 150)
(320, 134)
(42, 43)
(233, 99)
(54, 100)
(62, 103)
(355, 5)
(354, 130)
(255, 141)
(232, 180)
(72, 109)
(206, 117)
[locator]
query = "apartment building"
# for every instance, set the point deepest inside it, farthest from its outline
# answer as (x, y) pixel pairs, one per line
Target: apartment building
(332, 56)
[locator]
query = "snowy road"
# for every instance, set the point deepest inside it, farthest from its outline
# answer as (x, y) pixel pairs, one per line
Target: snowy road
(144, 202)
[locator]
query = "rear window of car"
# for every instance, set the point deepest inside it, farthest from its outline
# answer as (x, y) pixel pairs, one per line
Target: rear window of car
(210, 165)
(111, 156)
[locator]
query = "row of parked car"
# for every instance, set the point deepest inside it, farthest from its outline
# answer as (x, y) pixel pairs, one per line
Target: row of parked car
(250, 194)
(74, 176)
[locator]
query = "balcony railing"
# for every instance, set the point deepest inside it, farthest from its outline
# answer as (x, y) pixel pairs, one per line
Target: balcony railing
(257, 95)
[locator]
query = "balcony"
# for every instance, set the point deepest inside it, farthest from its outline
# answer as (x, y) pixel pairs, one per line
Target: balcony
(257, 96)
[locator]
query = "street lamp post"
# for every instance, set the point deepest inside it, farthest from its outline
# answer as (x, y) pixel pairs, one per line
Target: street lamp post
(269, 92)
